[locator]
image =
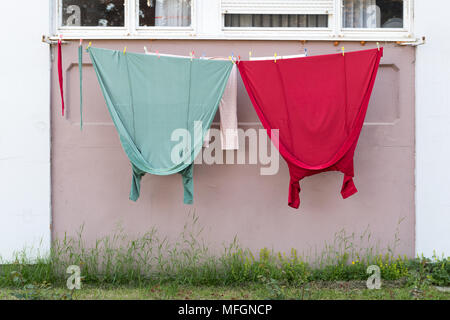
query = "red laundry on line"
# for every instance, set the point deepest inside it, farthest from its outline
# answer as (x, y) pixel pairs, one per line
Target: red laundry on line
(318, 103)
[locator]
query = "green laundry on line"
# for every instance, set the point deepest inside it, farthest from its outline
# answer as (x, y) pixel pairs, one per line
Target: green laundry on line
(162, 108)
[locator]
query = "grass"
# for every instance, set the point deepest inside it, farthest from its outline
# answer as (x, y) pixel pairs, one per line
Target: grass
(314, 291)
(119, 263)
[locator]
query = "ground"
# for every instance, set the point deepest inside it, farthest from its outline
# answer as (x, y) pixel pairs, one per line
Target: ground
(316, 291)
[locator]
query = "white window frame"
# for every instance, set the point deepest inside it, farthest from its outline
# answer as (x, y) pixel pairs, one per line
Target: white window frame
(376, 33)
(207, 22)
(173, 31)
(130, 30)
(68, 31)
(276, 32)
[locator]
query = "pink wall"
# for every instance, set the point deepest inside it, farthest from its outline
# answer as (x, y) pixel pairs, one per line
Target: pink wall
(91, 174)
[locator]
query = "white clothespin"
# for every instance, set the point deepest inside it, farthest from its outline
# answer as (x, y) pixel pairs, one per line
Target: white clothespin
(250, 55)
(81, 42)
(145, 50)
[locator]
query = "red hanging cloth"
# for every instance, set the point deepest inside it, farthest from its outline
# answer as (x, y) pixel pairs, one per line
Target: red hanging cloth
(318, 103)
(60, 75)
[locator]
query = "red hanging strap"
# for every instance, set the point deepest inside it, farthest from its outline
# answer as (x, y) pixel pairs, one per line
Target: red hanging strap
(60, 75)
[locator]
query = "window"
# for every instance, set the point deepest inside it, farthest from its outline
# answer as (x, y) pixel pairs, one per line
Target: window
(165, 13)
(74, 14)
(373, 14)
(362, 20)
(88, 13)
(276, 13)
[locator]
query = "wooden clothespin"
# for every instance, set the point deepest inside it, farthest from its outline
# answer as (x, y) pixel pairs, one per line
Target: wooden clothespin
(124, 50)
(378, 46)
(343, 51)
(275, 55)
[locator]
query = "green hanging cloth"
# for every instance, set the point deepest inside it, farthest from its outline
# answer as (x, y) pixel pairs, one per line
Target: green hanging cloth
(162, 108)
(80, 68)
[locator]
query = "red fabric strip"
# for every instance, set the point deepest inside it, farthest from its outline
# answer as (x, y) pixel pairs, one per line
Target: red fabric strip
(60, 75)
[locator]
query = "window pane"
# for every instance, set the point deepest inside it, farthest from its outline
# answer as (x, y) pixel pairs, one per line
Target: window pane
(92, 13)
(165, 13)
(277, 20)
(373, 14)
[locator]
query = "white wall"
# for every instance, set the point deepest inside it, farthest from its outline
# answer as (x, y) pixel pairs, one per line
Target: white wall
(24, 127)
(433, 128)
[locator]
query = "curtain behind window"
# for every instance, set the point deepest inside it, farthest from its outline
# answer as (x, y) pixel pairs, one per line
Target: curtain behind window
(361, 14)
(173, 13)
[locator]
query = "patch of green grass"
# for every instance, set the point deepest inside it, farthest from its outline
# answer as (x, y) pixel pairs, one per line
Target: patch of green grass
(314, 291)
(150, 260)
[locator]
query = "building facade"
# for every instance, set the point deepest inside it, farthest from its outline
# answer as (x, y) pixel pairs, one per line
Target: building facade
(58, 178)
